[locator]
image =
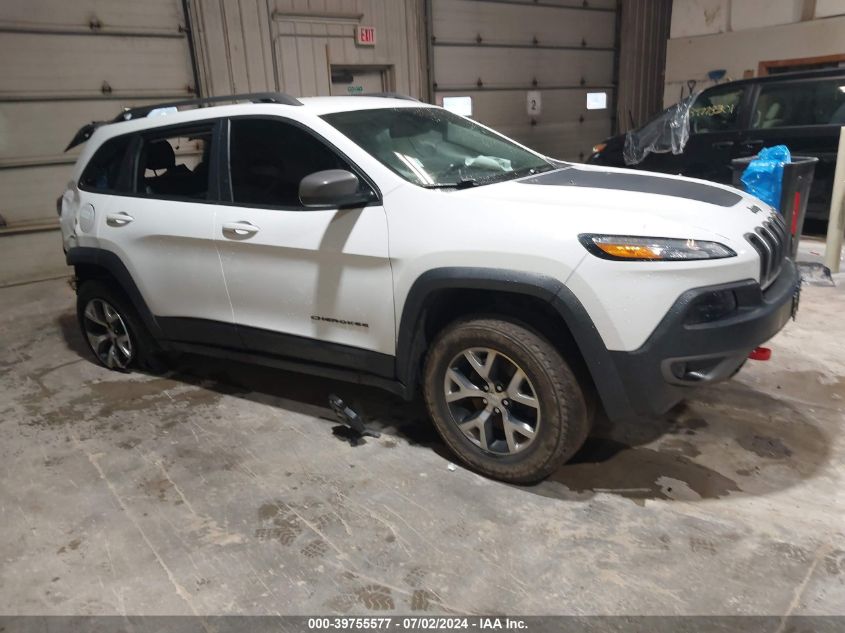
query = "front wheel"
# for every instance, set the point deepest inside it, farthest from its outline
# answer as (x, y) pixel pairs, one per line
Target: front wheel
(504, 400)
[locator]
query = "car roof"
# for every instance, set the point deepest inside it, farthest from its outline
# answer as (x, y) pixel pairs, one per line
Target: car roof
(162, 114)
(779, 77)
(328, 105)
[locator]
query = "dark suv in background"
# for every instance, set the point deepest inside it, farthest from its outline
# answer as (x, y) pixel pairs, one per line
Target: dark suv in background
(803, 111)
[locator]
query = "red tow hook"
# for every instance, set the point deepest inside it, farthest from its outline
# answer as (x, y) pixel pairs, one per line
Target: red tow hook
(760, 353)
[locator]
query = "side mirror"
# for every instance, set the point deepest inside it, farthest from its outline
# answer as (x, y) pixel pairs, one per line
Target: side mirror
(332, 188)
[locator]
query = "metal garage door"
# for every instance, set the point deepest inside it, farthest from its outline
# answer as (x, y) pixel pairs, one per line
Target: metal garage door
(65, 64)
(316, 53)
(499, 51)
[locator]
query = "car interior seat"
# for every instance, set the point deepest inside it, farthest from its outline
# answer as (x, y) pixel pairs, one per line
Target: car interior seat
(773, 117)
(176, 179)
(838, 117)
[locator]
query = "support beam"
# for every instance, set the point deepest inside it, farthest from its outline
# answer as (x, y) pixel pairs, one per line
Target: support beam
(836, 223)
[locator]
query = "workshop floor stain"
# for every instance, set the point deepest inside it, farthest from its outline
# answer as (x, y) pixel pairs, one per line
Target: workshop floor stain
(424, 600)
(159, 488)
(132, 395)
(279, 524)
(100, 400)
(810, 386)
(372, 597)
(764, 446)
(129, 395)
(688, 426)
(636, 473)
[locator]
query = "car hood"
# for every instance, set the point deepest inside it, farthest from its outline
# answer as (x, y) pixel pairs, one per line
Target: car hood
(642, 199)
(637, 182)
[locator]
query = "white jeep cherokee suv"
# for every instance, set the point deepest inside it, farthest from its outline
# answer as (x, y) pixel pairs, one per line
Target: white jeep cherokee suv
(388, 242)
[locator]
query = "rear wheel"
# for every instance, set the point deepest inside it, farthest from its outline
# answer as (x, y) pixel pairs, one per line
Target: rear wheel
(113, 330)
(504, 400)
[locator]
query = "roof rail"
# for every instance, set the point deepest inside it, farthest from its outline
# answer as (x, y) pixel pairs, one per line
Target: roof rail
(255, 97)
(84, 134)
(128, 114)
(386, 95)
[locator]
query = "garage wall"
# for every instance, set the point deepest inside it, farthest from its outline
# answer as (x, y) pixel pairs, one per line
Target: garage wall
(736, 35)
(233, 46)
(290, 45)
(71, 63)
(66, 64)
(496, 51)
(642, 60)
(77, 61)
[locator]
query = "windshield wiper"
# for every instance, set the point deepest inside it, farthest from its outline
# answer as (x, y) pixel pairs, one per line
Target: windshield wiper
(531, 171)
(466, 183)
(510, 175)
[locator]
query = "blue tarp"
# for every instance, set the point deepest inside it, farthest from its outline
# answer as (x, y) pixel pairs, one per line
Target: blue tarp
(763, 177)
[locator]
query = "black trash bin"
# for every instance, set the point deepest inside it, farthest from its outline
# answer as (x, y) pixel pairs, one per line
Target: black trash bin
(797, 180)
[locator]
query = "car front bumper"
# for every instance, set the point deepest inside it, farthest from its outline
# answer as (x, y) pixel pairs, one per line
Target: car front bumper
(678, 355)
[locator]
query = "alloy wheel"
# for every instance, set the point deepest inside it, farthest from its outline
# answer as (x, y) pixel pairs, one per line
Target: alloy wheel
(492, 401)
(107, 334)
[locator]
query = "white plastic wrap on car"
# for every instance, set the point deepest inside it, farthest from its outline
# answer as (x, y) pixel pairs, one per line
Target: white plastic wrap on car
(667, 132)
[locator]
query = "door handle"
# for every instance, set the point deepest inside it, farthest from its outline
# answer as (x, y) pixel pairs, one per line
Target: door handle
(723, 144)
(240, 229)
(118, 219)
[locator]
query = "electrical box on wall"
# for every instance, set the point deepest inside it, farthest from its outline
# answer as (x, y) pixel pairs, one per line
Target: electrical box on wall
(365, 35)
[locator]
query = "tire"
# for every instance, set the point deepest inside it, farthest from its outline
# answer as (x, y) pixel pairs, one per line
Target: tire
(544, 430)
(105, 314)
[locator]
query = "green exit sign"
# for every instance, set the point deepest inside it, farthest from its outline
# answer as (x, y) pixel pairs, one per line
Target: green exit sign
(355, 89)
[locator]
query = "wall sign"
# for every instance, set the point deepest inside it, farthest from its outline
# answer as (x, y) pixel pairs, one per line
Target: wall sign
(533, 102)
(365, 35)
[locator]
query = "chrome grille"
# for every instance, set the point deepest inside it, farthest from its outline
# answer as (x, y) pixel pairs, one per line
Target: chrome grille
(770, 240)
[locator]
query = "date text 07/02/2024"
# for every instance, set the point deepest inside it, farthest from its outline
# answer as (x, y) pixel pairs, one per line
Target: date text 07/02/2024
(417, 623)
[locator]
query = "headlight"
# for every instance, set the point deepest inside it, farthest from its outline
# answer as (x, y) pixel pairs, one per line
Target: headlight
(624, 247)
(599, 148)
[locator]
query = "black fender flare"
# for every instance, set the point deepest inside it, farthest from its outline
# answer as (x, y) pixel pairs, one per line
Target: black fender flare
(111, 263)
(410, 342)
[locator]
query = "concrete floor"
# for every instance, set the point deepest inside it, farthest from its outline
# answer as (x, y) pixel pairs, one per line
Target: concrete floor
(222, 489)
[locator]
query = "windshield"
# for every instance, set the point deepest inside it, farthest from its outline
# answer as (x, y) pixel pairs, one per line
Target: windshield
(435, 148)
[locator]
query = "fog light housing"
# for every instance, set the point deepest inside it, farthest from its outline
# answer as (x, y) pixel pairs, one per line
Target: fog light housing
(711, 306)
(695, 370)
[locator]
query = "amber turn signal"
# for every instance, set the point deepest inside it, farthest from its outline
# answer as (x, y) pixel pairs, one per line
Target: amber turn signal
(629, 251)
